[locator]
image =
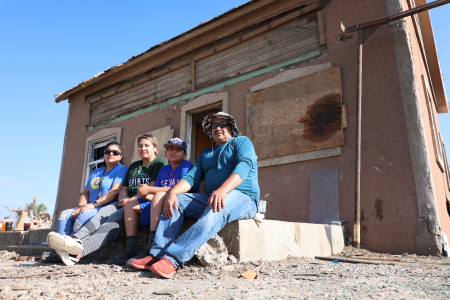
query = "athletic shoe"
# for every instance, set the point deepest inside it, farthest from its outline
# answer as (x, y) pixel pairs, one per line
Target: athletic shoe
(65, 243)
(67, 259)
(164, 268)
(144, 263)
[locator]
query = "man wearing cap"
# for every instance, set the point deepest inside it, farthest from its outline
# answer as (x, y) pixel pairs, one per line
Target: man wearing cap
(230, 172)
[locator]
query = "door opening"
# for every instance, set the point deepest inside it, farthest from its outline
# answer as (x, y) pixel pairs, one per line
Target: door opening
(199, 140)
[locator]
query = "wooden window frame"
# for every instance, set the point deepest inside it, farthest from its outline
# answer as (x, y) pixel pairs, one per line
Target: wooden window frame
(97, 139)
(446, 167)
(434, 130)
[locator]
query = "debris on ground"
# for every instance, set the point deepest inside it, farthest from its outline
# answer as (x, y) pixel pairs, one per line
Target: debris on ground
(412, 277)
(213, 253)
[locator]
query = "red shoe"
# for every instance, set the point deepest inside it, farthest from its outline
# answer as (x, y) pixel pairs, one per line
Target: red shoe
(144, 263)
(164, 268)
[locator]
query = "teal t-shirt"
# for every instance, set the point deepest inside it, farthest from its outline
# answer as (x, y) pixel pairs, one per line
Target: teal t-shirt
(235, 156)
(137, 174)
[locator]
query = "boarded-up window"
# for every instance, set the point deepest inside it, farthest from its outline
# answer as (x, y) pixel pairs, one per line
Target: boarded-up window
(297, 116)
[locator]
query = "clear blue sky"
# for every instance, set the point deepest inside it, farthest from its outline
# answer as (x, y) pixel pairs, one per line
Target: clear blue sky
(47, 47)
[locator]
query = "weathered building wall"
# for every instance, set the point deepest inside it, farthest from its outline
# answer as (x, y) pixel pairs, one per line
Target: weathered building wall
(390, 217)
(429, 105)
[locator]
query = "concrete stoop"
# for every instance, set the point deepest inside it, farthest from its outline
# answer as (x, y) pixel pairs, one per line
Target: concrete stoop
(247, 240)
(25, 242)
(271, 240)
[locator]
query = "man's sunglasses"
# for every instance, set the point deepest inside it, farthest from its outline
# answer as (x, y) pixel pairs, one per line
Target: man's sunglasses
(221, 125)
(115, 152)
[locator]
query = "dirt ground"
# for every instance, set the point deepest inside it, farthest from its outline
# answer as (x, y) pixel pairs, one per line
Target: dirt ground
(368, 276)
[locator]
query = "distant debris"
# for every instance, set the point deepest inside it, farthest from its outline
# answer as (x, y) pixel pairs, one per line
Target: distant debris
(36, 220)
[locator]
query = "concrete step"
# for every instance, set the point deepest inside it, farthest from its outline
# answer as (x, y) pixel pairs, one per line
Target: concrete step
(31, 237)
(28, 250)
(247, 240)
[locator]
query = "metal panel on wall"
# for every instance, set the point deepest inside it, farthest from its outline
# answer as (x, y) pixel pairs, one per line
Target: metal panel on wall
(324, 196)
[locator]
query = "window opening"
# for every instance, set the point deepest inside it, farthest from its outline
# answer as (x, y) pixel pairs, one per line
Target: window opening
(437, 146)
(446, 166)
(95, 155)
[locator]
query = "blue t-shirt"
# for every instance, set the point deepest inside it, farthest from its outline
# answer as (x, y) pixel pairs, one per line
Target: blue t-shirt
(235, 156)
(169, 178)
(103, 181)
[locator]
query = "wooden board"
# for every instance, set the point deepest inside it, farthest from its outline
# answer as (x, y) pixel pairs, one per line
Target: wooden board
(274, 46)
(296, 116)
(153, 91)
(322, 39)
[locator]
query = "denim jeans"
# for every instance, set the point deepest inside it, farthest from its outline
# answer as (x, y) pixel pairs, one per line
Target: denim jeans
(67, 225)
(181, 249)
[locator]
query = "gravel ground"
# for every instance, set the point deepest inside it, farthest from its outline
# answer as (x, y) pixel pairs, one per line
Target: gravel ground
(392, 277)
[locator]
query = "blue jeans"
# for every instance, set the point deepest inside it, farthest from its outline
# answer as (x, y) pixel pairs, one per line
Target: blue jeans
(181, 249)
(66, 224)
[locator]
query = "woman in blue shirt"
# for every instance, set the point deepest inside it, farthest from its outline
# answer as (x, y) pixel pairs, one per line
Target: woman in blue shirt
(102, 187)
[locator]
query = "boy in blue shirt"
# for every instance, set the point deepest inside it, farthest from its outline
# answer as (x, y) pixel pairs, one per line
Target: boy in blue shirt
(168, 176)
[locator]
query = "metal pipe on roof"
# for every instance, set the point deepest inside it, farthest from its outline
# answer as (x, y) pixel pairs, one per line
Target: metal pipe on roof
(398, 16)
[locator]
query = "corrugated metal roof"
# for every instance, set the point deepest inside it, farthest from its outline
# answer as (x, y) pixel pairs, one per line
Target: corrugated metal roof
(60, 96)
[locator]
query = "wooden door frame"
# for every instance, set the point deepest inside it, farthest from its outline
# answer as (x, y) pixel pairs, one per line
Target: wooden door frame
(202, 103)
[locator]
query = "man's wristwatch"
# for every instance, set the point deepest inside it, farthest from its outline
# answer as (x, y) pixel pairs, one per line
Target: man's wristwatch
(95, 203)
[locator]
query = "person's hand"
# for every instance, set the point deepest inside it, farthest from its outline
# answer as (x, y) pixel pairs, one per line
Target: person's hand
(143, 190)
(123, 201)
(86, 207)
(170, 202)
(216, 200)
(75, 213)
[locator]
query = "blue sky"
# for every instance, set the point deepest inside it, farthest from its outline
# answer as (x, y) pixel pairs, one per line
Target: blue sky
(48, 47)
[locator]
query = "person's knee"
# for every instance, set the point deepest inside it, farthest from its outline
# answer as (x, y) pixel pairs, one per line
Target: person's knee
(65, 214)
(131, 204)
(157, 198)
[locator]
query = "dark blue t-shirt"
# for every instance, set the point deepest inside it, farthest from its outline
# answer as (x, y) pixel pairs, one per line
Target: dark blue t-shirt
(169, 178)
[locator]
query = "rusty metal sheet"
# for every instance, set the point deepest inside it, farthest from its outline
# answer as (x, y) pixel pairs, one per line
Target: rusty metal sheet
(324, 196)
(297, 116)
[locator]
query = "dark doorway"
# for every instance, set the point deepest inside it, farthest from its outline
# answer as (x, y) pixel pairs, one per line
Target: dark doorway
(200, 141)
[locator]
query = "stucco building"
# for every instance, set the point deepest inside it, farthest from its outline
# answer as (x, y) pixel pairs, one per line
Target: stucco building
(287, 72)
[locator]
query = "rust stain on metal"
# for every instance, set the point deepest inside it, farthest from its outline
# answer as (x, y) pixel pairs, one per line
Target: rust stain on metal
(323, 118)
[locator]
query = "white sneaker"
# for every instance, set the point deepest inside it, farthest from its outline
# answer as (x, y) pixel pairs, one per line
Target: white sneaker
(64, 243)
(66, 258)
